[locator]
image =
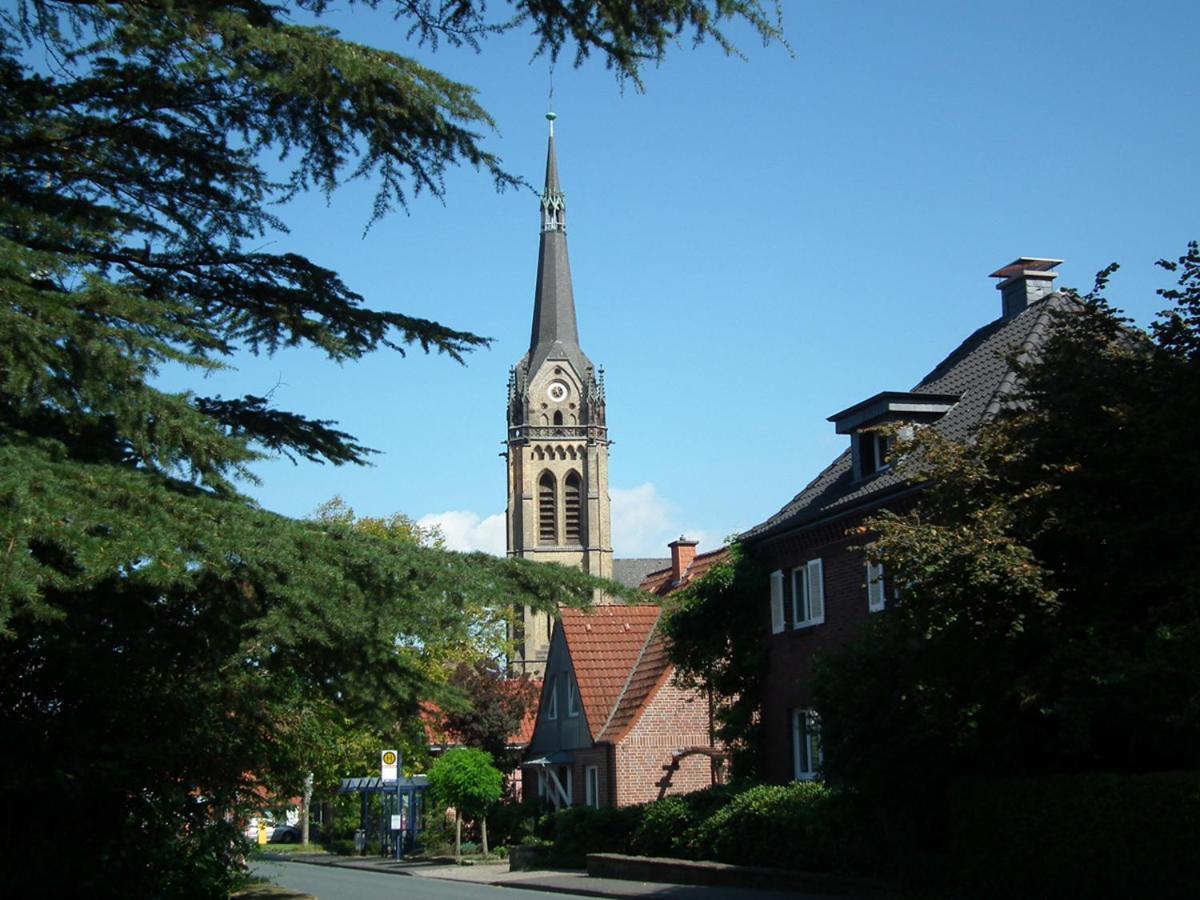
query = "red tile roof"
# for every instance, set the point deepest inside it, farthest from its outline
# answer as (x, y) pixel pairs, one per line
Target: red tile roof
(652, 669)
(660, 583)
(606, 645)
(619, 661)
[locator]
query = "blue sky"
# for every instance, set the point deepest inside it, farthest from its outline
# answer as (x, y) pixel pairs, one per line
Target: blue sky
(755, 245)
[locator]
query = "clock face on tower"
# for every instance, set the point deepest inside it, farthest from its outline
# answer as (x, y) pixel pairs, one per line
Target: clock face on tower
(557, 391)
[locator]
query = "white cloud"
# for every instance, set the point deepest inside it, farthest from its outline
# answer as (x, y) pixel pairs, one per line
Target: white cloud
(465, 530)
(644, 522)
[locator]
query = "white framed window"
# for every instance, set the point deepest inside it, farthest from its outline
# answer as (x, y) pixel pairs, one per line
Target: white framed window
(808, 594)
(552, 697)
(870, 452)
(777, 601)
(876, 594)
(806, 745)
(591, 786)
(572, 697)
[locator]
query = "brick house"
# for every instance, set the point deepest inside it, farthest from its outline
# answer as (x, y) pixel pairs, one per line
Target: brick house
(612, 727)
(821, 590)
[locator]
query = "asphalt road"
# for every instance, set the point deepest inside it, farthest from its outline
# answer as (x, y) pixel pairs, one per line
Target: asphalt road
(331, 883)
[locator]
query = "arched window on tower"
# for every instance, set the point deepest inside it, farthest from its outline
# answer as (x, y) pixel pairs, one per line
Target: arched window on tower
(573, 508)
(547, 508)
(558, 420)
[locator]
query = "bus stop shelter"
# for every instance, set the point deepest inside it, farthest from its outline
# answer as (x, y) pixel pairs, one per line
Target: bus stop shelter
(394, 824)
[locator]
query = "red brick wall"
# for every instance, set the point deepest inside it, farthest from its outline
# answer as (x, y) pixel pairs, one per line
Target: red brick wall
(790, 653)
(674, 720)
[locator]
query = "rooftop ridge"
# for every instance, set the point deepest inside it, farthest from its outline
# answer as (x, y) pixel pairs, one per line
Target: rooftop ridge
(1029, 344)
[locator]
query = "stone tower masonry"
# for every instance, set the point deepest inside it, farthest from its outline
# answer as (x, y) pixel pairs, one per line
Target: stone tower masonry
(557, 446)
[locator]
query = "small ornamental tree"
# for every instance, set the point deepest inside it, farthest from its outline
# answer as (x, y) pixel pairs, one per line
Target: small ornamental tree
(466, 780)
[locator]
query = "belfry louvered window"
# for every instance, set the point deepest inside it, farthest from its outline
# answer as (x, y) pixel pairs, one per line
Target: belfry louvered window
(571, 493)
(547, 509)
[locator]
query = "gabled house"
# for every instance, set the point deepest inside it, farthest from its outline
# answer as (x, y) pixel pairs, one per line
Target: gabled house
(821, 590)
(612, 728)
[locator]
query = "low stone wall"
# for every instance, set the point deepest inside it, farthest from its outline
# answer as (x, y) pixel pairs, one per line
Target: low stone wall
(714, 874)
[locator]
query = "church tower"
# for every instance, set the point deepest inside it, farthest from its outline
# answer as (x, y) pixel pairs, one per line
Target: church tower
(558, 506)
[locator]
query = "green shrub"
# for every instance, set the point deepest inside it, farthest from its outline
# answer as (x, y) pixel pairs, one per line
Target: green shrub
(1095, 836)
(511, 822)
(664, 824)
(784, 826)
(661, 824)
(341, 846)
(580, 830)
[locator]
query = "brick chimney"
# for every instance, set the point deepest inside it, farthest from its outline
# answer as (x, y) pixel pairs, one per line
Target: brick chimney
(1023, 282)
(683, 552)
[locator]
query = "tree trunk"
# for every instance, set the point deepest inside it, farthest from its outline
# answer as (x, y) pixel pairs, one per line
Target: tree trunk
(306, 808)
(457, 836)
(483, 833)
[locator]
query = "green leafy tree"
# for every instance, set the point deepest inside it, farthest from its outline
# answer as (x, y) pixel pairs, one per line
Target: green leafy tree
(465, 779)
(1049, 618)
(155, 623)
(494, 707)
(717, 646)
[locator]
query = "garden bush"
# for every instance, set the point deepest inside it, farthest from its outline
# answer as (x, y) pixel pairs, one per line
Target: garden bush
(580, 830)
(512, 821)
(660, 825)
(664, 824)
(786, 826)
(1097, 836)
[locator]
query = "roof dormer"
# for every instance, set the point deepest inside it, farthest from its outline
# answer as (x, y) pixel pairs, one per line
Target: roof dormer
(866, 422)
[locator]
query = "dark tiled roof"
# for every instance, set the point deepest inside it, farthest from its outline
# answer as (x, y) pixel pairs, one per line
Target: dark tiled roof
(978, 371)
(631, 572)
(660, 583)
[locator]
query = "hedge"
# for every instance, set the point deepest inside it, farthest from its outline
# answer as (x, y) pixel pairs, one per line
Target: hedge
(799, 826)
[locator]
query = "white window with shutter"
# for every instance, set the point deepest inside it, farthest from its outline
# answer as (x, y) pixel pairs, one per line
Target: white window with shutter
(777, 601)
(806, 745)
(876, 598)
(808, 594)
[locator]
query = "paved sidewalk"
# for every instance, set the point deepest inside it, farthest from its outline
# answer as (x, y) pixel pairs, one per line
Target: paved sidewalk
(558, 881)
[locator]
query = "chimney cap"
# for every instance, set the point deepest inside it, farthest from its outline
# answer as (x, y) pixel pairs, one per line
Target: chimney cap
(1027, 265)
(683, 542)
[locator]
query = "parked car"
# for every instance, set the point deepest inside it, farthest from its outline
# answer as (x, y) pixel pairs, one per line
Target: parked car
(290, 834)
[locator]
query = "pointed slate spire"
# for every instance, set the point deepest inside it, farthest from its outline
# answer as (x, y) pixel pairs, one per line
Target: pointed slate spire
(554, 333)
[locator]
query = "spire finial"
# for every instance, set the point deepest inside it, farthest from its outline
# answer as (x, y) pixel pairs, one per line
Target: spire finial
(550, 114)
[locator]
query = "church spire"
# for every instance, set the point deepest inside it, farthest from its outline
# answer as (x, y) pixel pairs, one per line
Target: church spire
(554, 331)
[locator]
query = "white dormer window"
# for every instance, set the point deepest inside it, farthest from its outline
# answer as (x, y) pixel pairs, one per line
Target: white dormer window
(867, 423)
(870, 452)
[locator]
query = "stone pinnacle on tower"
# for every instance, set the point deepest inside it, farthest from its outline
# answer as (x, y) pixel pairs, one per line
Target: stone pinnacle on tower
(554, 332)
